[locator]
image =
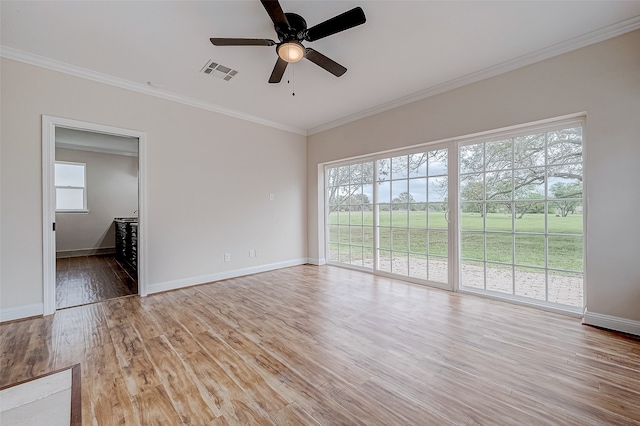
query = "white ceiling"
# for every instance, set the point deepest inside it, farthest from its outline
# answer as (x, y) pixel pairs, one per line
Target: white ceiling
(405, 51)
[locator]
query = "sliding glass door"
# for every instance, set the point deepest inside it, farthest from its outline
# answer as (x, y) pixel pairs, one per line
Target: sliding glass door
(391, 215)
(517, 230)
(412, 224)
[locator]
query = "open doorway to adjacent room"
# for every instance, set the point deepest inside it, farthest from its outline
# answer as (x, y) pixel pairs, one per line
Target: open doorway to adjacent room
(92, 204)
(96, 180)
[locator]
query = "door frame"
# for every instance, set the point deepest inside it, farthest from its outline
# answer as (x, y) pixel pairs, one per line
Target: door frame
(49, 125)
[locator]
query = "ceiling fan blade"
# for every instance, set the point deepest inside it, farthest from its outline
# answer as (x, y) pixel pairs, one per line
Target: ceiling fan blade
(349, 19)
(242, 42)
(328, 64)
(278, 71)
(275, 13)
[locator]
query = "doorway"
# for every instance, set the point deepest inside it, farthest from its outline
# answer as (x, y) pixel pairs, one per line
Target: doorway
(93, 213)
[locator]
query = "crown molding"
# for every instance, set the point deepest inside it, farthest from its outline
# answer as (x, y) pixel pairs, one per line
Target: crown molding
(513, 64)
(593, 37)
(40, 61)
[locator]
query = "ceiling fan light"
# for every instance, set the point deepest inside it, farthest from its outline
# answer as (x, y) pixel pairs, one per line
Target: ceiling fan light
(291, 51)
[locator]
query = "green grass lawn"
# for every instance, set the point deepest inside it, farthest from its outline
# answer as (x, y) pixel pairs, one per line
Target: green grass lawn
(407, 231)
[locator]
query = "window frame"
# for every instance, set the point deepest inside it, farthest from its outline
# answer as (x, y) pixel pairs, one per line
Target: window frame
(84, 209)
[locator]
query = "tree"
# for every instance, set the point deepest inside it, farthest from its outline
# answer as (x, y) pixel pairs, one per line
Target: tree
(343, 182)
(486, 169)
(355, 202)
(401, 202)
(472, 190)
(523, 207)
(404, 198)
(566, 190)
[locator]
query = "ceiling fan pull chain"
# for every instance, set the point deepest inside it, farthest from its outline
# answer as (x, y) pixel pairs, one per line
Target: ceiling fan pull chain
(293, 79)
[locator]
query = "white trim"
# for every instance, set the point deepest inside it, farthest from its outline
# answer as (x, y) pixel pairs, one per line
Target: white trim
(40, 61)
(593, 37)
(526, 302)
(611, 323)
(49, 125)
(48, 215)
(19, 312)
(204, 279)
(316, 262)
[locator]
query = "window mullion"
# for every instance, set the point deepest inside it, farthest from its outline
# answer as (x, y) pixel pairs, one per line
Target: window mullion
(376, 223)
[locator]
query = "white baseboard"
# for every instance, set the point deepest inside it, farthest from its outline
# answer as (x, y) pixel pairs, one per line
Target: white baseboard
(317, 262)
(19, 312)
(612, 323)
(63, 254)
(203, 279)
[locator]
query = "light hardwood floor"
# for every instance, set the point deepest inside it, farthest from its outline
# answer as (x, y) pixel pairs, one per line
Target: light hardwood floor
(323, 345)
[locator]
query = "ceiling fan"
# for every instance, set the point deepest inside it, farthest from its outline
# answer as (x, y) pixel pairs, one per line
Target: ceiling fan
(292, 30)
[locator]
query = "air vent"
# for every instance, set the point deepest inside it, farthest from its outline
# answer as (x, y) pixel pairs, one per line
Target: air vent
(217, 70)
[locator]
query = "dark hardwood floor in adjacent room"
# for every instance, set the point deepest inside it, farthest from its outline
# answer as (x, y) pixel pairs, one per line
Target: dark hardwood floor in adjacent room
(90, 279)
(324, 345)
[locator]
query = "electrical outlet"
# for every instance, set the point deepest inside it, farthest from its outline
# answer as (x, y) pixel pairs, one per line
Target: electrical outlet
(227, 257)
(252, 253)
(255, 253)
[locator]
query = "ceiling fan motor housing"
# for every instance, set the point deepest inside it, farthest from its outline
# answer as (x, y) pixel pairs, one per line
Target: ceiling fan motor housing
(296, 31)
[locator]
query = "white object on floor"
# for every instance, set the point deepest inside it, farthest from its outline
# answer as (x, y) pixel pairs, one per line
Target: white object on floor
(44, 401)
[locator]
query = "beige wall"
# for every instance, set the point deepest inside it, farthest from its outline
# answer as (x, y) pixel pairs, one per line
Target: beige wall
(209, 177)
(112, 191)
(602, 80)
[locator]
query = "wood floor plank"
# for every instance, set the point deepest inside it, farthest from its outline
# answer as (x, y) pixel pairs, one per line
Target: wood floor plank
(105, 378)
(154, 407)
(312, 345)
(138, 371)
(242, 373)
(40, 355)
(293, 415)
(94, 324)
(180, 387)
(221, 389)
(14, 350)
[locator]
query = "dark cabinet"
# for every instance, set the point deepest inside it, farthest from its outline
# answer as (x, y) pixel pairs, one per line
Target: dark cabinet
(127, 242)
(133, 253)
(122, 237)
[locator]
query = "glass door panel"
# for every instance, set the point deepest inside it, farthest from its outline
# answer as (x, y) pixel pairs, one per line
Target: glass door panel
(412, 205)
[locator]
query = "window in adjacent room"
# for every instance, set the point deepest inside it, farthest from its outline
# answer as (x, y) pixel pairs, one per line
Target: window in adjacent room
(71, 188)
